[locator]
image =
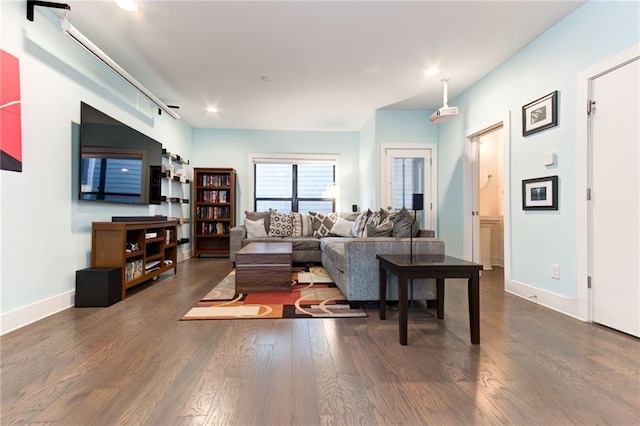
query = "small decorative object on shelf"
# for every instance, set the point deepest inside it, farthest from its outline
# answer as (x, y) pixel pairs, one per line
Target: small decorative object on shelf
(214, 210)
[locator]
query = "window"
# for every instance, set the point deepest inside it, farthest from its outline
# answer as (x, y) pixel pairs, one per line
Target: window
(294, 186)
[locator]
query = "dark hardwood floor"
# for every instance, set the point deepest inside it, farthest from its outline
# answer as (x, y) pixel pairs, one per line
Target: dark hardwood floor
(136, 363)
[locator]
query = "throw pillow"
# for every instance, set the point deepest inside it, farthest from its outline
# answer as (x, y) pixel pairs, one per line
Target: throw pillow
(373, 220)
(255, 228)
(385, 229)
(280, 224)
(297, 224)
(307, 225)
(360, 223)
(342, 228)
(257, 216)
(403, 224)
(322, 223)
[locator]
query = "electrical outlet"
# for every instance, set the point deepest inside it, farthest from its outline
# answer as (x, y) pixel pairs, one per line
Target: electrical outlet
(555, 271)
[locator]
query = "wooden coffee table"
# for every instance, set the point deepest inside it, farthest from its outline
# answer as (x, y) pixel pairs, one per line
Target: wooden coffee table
(264, 268)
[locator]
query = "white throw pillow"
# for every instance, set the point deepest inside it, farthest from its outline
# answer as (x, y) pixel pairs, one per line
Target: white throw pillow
(255, 228)
(342, 228)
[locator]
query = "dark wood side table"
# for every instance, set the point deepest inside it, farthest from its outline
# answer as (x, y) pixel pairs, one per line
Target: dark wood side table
(439, 267)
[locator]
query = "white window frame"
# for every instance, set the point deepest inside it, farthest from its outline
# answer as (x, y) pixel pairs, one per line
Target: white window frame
(293, 158)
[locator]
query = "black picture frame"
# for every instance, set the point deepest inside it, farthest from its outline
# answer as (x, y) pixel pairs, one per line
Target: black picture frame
(540, 114)
(540, 193)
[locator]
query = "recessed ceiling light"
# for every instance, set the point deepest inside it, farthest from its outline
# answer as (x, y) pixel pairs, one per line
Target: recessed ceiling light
(128, 5)
(433, 71)
(212, 109)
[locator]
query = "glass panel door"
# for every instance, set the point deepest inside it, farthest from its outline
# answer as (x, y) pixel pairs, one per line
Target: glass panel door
(408, 172)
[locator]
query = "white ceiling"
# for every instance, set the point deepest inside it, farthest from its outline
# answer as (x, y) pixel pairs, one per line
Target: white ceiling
(331, 64)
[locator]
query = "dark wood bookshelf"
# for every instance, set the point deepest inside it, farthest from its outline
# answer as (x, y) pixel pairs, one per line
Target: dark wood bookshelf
(214, 210)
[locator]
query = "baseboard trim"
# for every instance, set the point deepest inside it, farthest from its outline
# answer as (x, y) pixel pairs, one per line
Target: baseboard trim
(565, 305)
(497, 261)
(21, 317)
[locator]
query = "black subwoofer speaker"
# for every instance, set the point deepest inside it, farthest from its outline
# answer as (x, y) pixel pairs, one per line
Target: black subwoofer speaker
(98, 287)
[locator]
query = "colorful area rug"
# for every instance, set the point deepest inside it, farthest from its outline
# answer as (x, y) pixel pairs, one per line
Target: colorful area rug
(313, 295)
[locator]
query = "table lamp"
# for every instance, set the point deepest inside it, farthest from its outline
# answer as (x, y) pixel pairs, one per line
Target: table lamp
(416, 205)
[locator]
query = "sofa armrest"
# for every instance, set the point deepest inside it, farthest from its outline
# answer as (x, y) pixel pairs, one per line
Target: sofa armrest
(237, 234)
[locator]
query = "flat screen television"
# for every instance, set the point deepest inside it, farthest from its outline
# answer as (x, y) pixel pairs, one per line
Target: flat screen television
(117, 163)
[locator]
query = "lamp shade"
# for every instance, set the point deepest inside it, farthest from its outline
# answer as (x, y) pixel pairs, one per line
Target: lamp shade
(418, 202)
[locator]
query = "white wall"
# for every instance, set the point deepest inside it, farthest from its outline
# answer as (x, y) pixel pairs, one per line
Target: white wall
(45, 231)
(552, 62)
(231, 148)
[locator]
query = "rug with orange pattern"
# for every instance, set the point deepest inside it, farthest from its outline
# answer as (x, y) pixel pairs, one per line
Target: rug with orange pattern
(313, 295)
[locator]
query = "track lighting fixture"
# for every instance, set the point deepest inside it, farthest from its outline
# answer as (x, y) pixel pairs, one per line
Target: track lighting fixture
(83, 41)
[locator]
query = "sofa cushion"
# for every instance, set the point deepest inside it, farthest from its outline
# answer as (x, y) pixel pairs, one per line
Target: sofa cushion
(303, 243)
(333, 248)
(255, 228)
(342, 228)
(404, 224)
(360, 223)
(322, 223)
(280, 224)
(385, 229)
(259, 215)
(302, 226)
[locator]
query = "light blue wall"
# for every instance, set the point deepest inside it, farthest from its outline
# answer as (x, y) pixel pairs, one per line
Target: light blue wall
(389, 126)
(593, 33)
(231, 148)
(405, 126)
(45, 231)
(367, 163)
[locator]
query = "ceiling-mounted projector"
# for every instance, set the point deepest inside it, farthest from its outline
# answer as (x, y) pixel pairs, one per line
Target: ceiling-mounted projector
(445, 113)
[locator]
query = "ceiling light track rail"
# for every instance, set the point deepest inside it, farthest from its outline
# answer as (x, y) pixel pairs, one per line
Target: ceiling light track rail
(83, 41)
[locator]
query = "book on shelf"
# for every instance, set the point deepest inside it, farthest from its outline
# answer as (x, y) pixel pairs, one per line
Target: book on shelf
(133, 270)
(216, 180)
(209, 212)
(217, 228)
(150, 235)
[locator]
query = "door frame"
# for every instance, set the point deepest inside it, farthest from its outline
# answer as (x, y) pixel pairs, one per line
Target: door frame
(432, 180)
(470, 188)
(584, 302)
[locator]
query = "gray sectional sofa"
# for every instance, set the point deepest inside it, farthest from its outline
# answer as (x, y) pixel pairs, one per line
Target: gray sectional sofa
(351, 261)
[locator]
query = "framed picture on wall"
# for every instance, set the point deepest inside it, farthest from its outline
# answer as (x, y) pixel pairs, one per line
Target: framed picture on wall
(540, 193)
(540, 114)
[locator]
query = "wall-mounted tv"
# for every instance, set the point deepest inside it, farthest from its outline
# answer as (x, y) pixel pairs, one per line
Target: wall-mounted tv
(117, 163)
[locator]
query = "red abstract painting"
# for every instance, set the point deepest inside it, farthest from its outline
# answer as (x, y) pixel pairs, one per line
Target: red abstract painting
(10, 122)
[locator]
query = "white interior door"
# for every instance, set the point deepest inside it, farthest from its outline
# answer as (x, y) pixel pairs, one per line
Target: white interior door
(407, 172)
(614, 236)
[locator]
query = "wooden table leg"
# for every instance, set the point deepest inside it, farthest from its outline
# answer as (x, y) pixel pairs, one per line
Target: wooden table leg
(474, 307)
(403, 305)
(440, 297)
(383, 293)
